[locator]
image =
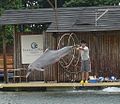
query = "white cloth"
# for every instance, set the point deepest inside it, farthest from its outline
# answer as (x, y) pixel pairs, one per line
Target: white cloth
(85, 53)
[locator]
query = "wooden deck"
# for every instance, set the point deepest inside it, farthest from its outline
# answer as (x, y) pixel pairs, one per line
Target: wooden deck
(38, 85)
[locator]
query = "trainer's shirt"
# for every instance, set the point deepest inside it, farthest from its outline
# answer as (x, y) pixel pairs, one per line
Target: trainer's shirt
(85, 53)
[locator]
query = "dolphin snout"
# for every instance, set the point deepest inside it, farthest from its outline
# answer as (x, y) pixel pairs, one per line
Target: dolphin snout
(28, 73)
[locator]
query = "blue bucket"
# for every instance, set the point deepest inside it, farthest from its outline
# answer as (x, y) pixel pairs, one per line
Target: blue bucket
(92, 81)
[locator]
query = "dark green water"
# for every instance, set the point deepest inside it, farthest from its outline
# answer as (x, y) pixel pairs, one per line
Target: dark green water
(60, 97)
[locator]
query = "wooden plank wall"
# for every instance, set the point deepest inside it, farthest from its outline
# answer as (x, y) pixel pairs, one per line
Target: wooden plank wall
(50, 73)
(104, 52)
(50, 43)
(34, 76)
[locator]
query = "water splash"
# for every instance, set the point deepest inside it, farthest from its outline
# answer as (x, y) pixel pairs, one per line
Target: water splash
(111, 89)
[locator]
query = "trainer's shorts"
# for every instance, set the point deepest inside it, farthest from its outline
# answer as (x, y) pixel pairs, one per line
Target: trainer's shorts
(86, 66)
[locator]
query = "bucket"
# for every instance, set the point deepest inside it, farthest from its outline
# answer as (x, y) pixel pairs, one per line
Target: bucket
(92, 81)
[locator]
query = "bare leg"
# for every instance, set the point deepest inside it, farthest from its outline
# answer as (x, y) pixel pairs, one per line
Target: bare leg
(86, 75)
(83, 75)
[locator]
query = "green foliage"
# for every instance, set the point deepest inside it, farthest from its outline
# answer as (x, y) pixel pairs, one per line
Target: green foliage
(35, 4)
(35, 28)
(41, 3)
(9, 35)
(5, 5)
(10, 4)
(78, 3)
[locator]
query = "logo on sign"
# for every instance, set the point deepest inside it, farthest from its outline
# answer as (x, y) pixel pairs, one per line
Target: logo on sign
(34, 45)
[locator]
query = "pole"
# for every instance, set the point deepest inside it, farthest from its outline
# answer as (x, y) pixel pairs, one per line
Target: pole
(56, 15)
(97, 63)
(56, 21)
(56, 12)
(51, 4)
(4, 57)
(55, 4)
(14, 37)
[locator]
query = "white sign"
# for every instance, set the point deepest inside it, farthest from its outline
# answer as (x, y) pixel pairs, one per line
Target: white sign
(31, 47)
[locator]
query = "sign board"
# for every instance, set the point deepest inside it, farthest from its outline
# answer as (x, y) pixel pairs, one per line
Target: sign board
(31, 47)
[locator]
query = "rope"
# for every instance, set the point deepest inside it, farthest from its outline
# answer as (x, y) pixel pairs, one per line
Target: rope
(63, 63)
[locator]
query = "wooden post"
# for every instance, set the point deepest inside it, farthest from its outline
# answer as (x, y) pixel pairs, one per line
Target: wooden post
(56, 15)
(44, 47)
(56, 12)
(55, 35)
(4, 56)
(14, 37)
(96, 42)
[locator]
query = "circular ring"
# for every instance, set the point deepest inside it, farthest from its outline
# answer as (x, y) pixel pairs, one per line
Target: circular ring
(72, 56)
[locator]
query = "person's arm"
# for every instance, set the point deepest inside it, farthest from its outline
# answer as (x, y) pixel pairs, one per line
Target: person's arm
(80, 48)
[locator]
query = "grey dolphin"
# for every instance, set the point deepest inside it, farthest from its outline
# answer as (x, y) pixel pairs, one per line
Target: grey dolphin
(47, 58)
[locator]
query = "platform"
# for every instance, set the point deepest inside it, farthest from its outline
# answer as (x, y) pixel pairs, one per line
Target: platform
(43, 85)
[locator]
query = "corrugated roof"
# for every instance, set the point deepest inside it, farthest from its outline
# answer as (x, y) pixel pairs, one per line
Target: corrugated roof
(26, 16)
(68, 19)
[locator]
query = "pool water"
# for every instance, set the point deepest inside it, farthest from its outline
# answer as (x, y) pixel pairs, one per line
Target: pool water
(60, 97)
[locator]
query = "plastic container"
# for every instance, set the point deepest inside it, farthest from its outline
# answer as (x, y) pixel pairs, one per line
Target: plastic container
(92, 81)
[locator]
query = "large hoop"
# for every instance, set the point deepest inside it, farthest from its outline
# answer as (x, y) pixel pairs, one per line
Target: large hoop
(71, 59)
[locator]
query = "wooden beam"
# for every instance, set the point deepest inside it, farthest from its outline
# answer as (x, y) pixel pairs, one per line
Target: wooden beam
(51, 4)
(55, 4)
(102, 15)
(14, 37)
(4, 56)
(56, 12)
(57, 85)
(96, 42)
(111, 9)
(55, 35)
(56, 15)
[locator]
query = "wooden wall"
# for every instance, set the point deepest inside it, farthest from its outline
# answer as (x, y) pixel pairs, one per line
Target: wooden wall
(34, 76)
(49, 42)
(104, 52)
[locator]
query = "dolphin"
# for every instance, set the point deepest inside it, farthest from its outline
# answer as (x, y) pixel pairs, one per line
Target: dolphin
(47, 58)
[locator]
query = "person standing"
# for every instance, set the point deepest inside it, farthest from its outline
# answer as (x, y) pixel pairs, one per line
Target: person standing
(85, 62)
